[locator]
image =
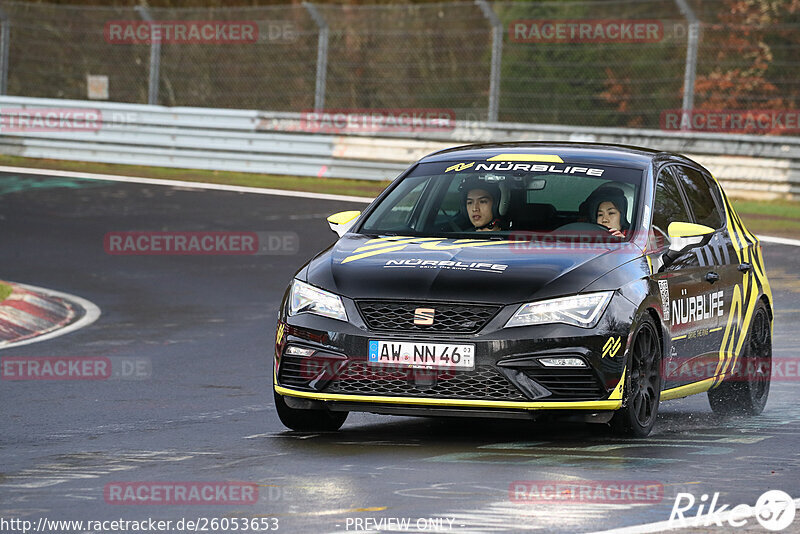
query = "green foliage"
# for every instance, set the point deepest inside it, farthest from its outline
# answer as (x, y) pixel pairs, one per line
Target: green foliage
(5, 291)
(433, 55)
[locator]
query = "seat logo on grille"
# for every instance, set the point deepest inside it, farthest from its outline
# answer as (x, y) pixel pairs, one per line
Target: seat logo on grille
(424, 316)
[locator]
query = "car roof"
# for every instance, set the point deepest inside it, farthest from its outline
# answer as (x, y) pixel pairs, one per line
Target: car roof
(597, 153)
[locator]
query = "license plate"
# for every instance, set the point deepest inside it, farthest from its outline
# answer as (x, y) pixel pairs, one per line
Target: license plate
(421, 355)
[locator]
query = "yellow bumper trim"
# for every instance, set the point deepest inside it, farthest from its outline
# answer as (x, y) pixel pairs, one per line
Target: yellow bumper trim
(520, 405)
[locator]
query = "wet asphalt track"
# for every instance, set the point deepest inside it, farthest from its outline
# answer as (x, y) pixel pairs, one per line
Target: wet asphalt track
(204, 413)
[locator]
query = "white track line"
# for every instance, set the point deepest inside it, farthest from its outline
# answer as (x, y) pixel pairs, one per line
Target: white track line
(779, 240)
(181, 183)
(91, 315)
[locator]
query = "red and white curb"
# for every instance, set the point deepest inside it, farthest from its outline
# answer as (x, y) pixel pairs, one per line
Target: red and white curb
(32, 314)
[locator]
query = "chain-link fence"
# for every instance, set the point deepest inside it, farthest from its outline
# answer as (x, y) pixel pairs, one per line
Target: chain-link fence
(528, 62)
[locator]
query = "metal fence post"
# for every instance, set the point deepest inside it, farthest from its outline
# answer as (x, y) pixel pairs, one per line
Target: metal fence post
(322, 55)
(497, 57)
(5, 41)
(155, 59)
(690, 73)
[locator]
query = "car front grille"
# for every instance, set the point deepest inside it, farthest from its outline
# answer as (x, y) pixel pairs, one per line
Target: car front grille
(484, 383)
(571, 384)
(399, 316)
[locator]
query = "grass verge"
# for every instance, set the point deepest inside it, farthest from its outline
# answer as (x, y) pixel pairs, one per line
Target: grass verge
(335, 186)
(777, 217)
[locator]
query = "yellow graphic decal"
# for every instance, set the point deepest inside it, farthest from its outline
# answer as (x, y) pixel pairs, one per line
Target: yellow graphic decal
(611, 347)
(372, 253)
(733, 327)
(688, 389)
(382, 245)
(745, 295)
(373, 244)
(459, 166)
(617, 393)
(279, 334)
(543, 158)
(461, 243)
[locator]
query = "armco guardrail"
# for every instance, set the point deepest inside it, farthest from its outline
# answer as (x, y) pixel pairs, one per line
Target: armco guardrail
(192, 138)
(276, 143)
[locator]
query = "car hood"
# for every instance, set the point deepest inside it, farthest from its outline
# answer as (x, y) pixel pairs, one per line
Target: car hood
(469, 270)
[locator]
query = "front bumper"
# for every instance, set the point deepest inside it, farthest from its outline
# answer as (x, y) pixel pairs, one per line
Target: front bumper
(507, 381)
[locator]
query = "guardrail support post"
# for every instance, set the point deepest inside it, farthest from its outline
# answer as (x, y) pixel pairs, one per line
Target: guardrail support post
(322, 56)
(690, 73)
(497, 57)
(5, 42)
(155, 60)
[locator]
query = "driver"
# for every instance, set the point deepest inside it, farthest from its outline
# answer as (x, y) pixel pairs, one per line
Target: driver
(481, 200)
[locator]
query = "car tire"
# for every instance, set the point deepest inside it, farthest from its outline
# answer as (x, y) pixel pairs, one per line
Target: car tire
(746, 392)
(643, 379)
(308, 420)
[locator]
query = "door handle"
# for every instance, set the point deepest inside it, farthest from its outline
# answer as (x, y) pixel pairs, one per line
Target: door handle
(744, 267)
(712, 277)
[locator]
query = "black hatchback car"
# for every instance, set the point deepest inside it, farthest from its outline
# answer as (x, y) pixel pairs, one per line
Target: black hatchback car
(522, 279)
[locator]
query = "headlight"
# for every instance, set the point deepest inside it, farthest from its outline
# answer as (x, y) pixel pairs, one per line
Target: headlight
(578, 310)
(305, 298)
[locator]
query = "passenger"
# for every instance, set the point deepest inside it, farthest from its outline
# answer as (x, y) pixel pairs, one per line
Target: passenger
(610, 210)
(609, 216)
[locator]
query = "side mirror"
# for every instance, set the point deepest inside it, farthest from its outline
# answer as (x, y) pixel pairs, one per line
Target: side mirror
(685, 236)
(341, 222)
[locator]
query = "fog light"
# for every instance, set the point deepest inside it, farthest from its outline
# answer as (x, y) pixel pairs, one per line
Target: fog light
(562, 362)
(294, 350)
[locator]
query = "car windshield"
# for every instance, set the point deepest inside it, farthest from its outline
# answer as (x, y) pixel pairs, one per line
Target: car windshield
(467, 198)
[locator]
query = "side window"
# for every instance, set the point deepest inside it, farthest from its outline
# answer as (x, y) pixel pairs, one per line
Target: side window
(698, 192)
(451, 204)
(668, 207)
